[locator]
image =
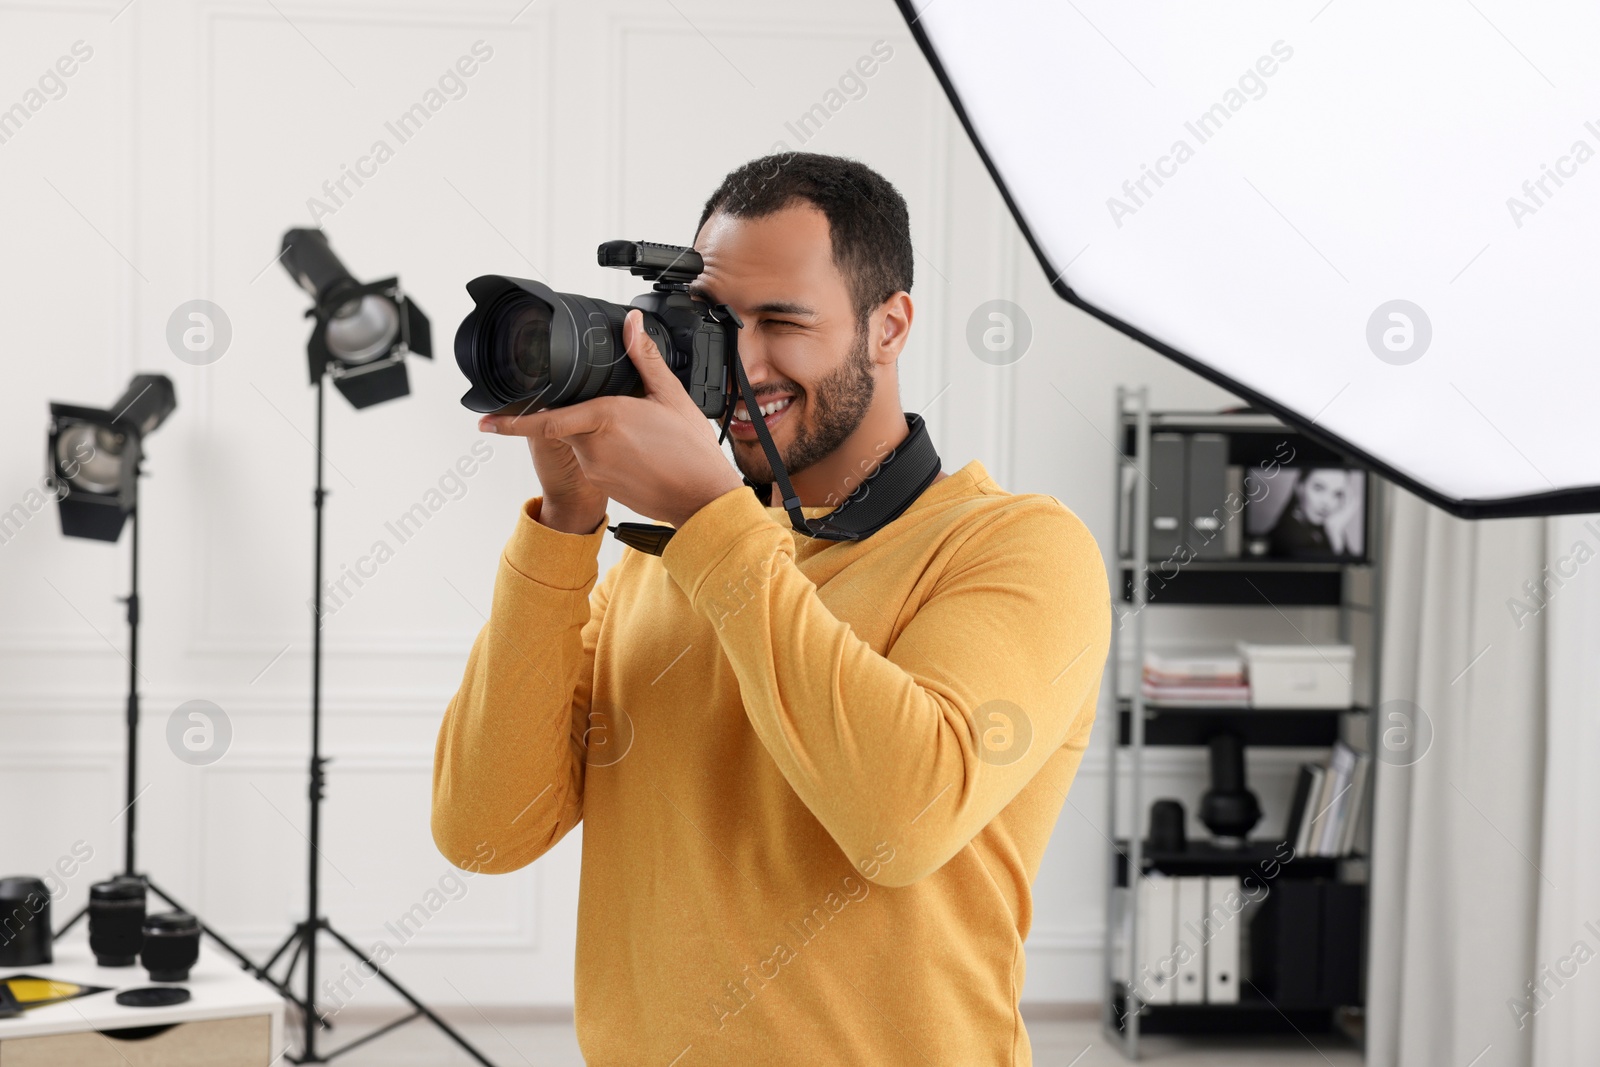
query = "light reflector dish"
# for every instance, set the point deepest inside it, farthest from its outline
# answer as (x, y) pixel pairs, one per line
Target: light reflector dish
(1376, 221)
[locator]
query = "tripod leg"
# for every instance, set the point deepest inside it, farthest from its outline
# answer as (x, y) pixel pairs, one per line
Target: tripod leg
(280, 951)
(422, 1008)
(298, 940)
(70, 923)
(294, 959)
(302, 939)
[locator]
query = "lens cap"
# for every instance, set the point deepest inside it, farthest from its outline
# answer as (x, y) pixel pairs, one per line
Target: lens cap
(153, 996)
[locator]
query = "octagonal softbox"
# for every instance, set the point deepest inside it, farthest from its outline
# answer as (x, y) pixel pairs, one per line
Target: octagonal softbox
(1378, 222)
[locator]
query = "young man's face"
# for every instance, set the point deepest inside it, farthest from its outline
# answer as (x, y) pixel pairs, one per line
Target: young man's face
(801, 346)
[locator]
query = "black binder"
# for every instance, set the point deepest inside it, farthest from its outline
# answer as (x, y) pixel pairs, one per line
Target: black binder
(1168, 475)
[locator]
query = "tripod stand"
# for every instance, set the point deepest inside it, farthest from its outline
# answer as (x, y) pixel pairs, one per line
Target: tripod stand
(303, 938)
(130, 837)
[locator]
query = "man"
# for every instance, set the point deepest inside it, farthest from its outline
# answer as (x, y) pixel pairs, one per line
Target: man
(816, 777)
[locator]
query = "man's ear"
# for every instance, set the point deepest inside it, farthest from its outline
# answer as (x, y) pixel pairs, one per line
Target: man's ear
(890, 325)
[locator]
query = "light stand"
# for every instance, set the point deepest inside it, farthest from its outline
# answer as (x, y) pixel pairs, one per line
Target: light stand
(312, 263)
(98, 493)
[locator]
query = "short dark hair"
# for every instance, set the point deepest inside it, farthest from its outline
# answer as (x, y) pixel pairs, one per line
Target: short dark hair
(867, 217)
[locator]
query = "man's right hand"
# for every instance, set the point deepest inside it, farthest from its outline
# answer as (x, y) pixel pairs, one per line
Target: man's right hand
(571, 502)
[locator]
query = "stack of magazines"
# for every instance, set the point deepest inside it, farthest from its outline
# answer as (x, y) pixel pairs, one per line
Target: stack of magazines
(1213, 679)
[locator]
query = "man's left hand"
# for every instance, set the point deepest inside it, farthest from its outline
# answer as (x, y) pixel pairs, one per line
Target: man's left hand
(656, 455)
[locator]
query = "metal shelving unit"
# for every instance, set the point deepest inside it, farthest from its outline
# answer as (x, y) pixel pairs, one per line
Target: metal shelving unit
(1267, 584)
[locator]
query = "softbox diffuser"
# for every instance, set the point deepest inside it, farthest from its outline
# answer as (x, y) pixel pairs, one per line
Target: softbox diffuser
(1376, 221)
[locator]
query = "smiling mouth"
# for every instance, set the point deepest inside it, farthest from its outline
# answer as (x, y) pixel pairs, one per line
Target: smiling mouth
(771, 413)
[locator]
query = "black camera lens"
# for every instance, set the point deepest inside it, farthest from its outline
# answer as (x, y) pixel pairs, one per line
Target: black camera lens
(526, 347)
(516, 363)
(116, 921)
(529, 343)
(24, 922)
(171, 945)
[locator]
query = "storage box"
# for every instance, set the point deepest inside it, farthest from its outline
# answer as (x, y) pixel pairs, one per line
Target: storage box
(1299, 676)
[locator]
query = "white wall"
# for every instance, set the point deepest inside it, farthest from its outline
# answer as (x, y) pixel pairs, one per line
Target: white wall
(168, 171)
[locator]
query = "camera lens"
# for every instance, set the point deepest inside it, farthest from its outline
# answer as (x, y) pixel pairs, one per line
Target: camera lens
(116, 921)
(524, 335)
(505, 348)
(525, 347)
(171, 945)
(24, 922)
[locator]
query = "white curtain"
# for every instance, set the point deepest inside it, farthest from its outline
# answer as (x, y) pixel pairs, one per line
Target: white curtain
(1567, 1029)
(1486, 847)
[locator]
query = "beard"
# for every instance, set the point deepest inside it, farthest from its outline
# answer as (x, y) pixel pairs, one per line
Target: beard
(835, 407)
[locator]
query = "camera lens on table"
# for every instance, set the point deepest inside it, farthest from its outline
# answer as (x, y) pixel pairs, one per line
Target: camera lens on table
(171, 945)
(116, 921)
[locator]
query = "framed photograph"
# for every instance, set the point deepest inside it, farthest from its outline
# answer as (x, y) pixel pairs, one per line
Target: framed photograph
(1306, 513)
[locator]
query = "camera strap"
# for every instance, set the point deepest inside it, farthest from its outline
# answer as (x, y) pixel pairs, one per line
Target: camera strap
(880, 498)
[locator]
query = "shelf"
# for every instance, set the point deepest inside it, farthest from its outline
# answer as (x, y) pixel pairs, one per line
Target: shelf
(1259, 441)
(1252, 438)
(1285, 584)
(1275, 727)
(1253, 1014)
(1212, 422)
(1262, 856)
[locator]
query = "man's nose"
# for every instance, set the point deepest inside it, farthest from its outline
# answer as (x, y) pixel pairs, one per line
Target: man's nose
(754, 358)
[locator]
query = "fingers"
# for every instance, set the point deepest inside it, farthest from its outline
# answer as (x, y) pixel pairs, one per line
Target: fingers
(645, 355)
(587, 417)
(661, 384)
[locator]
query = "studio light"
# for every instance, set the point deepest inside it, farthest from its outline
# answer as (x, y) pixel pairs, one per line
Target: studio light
(360, 340)
(1387, 245)
(362, 332)
(93, 465)
(92, 459)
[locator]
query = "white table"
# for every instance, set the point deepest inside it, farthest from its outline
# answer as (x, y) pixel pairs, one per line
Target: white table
(219, 990)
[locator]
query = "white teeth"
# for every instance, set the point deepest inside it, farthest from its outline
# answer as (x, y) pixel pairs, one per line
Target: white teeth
(743, 415)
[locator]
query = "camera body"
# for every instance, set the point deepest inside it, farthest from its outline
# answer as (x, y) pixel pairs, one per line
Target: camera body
(525, 347)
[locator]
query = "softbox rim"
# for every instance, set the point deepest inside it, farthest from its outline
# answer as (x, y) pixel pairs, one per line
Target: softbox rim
(1570, 501)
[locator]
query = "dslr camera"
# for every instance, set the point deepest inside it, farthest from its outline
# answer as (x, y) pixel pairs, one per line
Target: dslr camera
(525, 347)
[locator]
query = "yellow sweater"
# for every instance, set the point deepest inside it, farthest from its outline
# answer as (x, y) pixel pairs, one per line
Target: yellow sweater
(816, 778)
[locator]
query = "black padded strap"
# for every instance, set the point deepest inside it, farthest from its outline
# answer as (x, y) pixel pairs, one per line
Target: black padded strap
(883, 496)
(880, 499)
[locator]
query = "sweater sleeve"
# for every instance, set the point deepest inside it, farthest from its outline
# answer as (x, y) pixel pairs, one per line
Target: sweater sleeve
(509, 763)
(922, 747)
